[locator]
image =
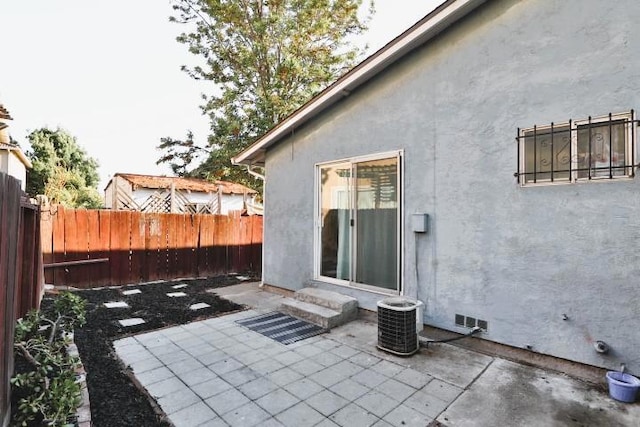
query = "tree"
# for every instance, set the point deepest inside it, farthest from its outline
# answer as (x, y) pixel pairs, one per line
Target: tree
(265, 59)
(62, 170)
(178, 159)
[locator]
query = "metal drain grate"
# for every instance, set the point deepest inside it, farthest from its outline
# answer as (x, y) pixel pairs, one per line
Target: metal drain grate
(281, 327)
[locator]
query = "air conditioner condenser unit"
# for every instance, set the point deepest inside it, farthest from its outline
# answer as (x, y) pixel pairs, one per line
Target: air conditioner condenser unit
(399, 322)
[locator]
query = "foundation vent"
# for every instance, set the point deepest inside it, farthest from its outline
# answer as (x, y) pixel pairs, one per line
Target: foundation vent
(471, 322)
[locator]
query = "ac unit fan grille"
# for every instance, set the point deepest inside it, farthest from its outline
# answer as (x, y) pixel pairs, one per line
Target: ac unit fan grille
(397, 331)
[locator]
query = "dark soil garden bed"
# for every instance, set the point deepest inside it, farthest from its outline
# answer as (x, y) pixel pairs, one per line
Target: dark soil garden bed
(115, 399)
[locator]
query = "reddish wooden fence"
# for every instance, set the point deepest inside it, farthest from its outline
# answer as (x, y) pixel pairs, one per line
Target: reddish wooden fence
(20, 273)
(91, 248)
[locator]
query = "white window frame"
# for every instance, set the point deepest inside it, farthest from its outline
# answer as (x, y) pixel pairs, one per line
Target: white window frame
(317, 252)
(630, 150)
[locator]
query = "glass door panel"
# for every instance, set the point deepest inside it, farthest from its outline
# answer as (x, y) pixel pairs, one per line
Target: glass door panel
(376, 221)
(335, 217)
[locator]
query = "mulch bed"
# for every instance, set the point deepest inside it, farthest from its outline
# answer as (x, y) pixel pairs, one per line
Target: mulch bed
(115, 399)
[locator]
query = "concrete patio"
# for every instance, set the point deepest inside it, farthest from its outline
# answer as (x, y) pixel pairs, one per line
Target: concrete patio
(218, 373)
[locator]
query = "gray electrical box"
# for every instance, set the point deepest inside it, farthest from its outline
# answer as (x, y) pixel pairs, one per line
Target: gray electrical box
(420, 222)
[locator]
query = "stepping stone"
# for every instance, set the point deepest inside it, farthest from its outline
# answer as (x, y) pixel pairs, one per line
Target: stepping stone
(199, 306)
(180, 286)
(132, 321)
(117, 304)
(176, 294)
(132, 292)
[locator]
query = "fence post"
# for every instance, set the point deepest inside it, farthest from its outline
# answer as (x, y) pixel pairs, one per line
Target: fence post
(11, 264)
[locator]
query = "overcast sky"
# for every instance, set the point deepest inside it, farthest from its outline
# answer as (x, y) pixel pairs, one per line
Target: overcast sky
(109, 73)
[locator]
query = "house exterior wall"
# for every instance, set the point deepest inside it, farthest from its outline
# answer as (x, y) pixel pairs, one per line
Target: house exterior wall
(11, 165)
(522, 259)
(4, 161)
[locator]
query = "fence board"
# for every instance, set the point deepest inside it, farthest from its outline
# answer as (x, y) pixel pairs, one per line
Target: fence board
(92, 271)
(152, 245)
(216, 251)
(234, 250)
(220, 254)
(70, 244)
(46, 241)
(233, 234)
(163, 247)
(245, 242)
(192, 228)
(98, 247)
(181, 245)
(77, 235)
(204, 251)
(168, 234)
(137, 249)
(256, 243)
(119, 250)
(37, 280)
(59, 275)
(172, 232)
(27, 297)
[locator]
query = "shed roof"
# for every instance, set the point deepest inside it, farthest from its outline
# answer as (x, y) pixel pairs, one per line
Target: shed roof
(18, 152)
(4, 113)
(424, 30)
(190, 184)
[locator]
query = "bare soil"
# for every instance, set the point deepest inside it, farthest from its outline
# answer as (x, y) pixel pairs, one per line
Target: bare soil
(115, 399)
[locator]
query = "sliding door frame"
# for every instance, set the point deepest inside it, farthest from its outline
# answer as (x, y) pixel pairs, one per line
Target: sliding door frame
(317, 253)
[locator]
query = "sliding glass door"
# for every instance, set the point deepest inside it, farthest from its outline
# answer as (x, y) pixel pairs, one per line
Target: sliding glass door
(335, 215)
(359, 221)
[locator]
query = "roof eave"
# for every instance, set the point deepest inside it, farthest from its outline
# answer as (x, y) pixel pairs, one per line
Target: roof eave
(20, 155)
(24, 159)
(431, 25)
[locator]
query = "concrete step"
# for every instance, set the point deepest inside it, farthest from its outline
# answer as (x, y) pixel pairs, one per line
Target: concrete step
(323, 308)
(328, 299)
(318, 315)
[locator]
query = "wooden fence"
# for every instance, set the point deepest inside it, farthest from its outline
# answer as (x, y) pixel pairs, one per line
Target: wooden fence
(92, 248)
(20, 273)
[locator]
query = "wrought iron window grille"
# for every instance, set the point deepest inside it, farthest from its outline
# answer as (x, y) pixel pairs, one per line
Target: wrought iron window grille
(578, 150)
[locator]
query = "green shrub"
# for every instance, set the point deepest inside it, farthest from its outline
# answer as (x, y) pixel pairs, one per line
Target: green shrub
(28, 326)
(48, 394)
(71, 308)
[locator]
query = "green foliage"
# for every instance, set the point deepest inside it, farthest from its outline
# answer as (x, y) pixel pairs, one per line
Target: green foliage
(265, 58)
(179, 153)
(48, 393)
(28, 326)
(62, 170)
(51, 393)
(71, 308)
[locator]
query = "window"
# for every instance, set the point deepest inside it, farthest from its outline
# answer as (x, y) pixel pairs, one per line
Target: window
(596, 148)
